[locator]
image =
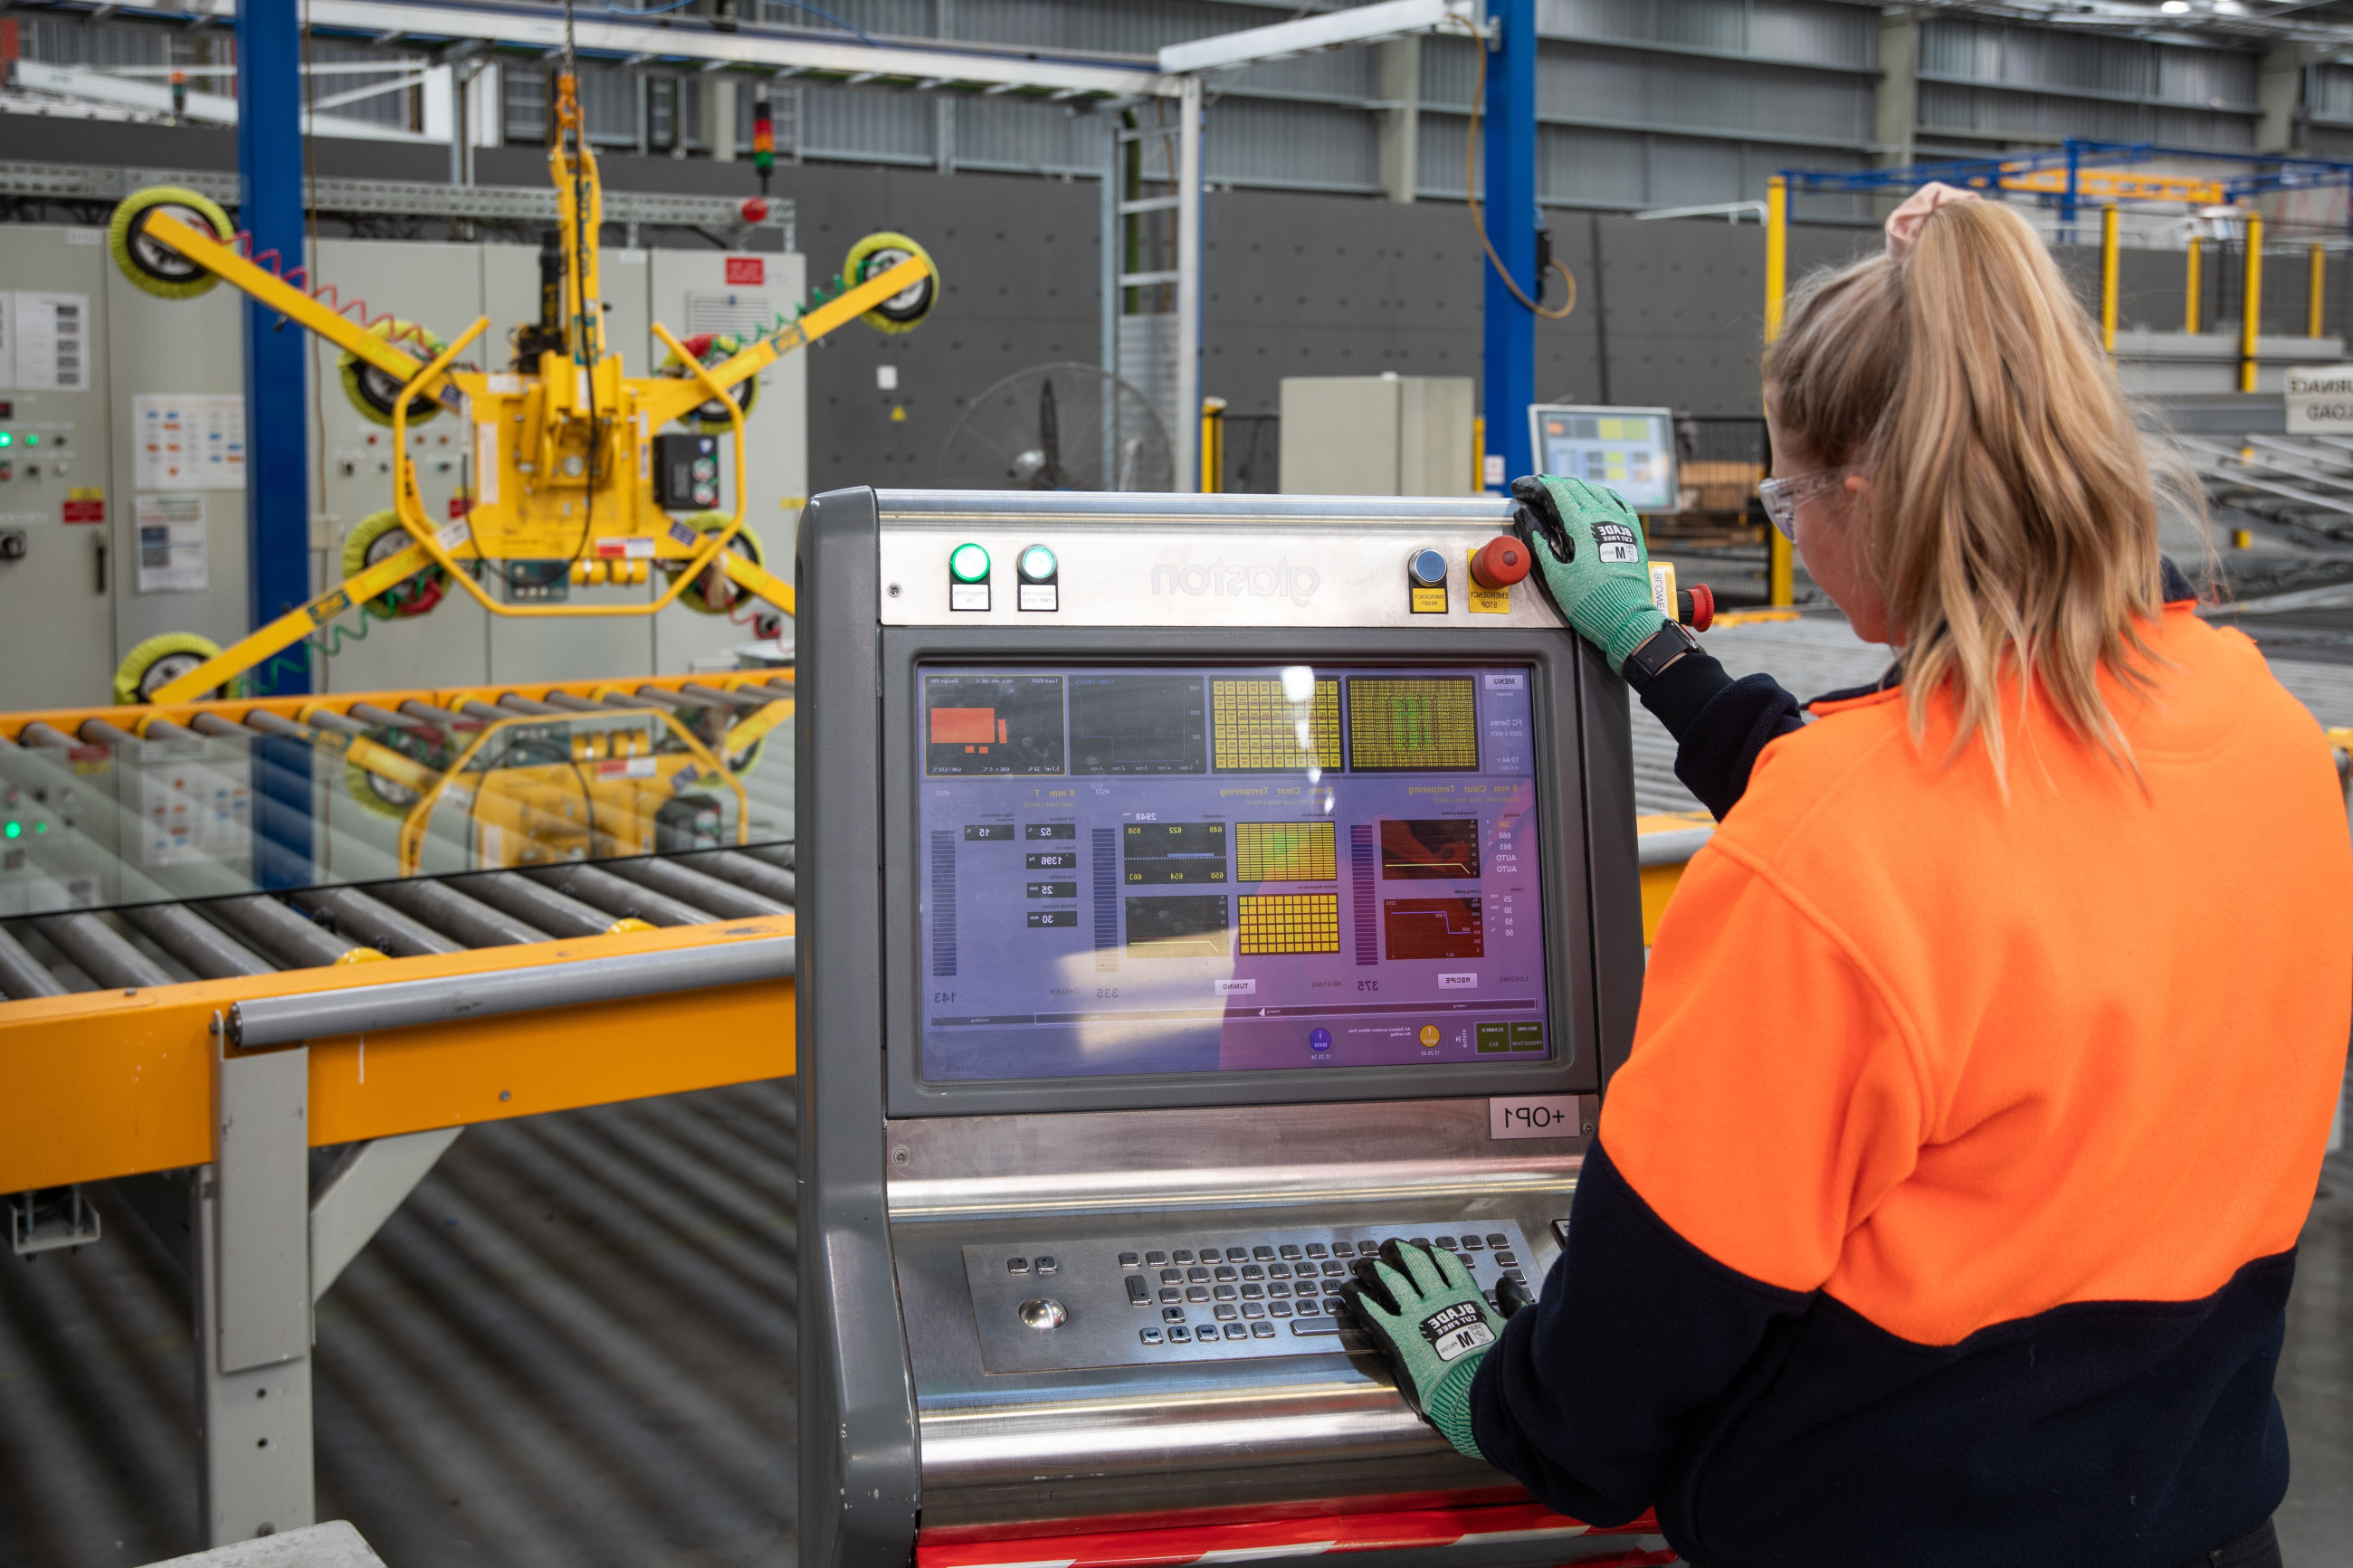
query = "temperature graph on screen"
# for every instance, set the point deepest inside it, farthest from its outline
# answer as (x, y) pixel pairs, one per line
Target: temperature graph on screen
(1433, 928)
(1446, 850)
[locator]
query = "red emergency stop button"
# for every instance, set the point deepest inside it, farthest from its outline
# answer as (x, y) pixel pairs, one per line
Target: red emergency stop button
(1500, 562)
(1702, 601)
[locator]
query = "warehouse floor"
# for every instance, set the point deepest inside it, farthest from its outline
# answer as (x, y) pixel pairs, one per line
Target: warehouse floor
(572, 1348)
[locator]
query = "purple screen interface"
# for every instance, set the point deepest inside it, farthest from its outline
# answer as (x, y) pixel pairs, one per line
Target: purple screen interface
(1160, 871)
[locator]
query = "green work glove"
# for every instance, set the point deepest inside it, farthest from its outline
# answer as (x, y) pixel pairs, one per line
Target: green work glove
(1589, 550)
(1422, 1309)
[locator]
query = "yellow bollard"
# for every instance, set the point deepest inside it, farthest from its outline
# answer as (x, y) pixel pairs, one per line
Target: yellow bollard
(2251, 303)
(1213, 445)
(2194, 285)
(2315, 292)
(1777, 252)
(2108, 279)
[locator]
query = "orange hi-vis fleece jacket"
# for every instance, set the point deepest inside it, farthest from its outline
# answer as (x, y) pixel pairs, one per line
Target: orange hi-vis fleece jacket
(1946, 1209)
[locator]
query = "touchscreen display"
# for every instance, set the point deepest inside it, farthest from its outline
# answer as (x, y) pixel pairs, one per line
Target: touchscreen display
(1215, 869)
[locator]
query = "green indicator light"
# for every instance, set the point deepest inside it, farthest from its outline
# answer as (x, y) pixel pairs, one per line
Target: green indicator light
(41, 827)
(16, 830)
(33, 439)
(7, 439)
(1036, 563)
(969, 563)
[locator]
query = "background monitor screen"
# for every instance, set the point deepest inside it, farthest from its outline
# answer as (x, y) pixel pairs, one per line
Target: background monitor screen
(1215, 869)
(1630, 451)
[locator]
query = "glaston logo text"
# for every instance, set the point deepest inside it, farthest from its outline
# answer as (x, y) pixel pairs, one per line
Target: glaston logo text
(1281, 580)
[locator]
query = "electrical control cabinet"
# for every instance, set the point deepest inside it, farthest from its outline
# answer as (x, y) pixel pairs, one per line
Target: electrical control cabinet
(58, 554)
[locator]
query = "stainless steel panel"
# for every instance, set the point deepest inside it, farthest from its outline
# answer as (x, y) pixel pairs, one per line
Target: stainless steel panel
(1125, 1162)
(1298, 1424)
(1030, 1447)
(1189, 562)
(1263, 1297)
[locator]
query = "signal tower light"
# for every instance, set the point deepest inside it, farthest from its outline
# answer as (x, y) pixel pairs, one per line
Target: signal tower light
(763, 139)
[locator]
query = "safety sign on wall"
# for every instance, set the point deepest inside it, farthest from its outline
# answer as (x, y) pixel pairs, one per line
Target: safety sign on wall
(44, 342)
(184, 441)
(170, 543)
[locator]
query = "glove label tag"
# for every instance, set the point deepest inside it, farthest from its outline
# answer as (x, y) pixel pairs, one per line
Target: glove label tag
(1456, 1331)
(1616, 541)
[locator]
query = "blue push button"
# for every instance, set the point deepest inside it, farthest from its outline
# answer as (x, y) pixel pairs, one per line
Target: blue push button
(1319, 1039)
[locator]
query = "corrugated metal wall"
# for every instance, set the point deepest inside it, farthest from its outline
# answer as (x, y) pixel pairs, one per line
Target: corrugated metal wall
(1984, 81)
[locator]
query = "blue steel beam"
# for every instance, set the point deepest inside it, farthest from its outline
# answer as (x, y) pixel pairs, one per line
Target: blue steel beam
(2270, 171)
(276, 362)
(1510, 363)
(269, 172)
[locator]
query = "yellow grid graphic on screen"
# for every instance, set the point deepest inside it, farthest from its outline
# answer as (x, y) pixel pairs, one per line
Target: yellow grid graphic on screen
(1289, 923)
(1411, 722)
(1258, 726)
(1285, 852)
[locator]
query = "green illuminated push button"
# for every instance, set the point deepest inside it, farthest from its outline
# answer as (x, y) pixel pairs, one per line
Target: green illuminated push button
(968, 578)
(1038, 564)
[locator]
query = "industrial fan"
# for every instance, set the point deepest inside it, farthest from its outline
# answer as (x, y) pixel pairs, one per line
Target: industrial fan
(1059, 427)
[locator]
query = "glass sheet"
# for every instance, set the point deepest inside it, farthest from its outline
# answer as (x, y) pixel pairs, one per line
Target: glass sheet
(98, 826)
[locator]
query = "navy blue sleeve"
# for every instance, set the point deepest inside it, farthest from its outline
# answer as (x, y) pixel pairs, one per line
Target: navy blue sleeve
(1719, 724)
(1585, 1400)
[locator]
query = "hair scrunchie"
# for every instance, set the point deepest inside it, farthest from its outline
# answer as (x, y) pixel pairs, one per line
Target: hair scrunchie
(1904, 223)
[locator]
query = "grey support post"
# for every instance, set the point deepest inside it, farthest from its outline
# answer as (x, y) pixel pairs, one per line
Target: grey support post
(266, 1250)
(252, 1289)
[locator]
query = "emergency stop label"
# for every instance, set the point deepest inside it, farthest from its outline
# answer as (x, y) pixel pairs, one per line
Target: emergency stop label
(1457, 1330)
(1533, 1116)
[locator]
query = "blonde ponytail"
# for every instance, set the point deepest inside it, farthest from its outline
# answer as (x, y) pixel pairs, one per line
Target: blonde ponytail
(2012, 521)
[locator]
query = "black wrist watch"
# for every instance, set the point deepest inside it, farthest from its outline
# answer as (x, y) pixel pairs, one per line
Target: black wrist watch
(1659, 649)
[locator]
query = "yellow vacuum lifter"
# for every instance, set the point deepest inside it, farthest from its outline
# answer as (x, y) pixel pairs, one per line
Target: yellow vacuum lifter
(572, 470)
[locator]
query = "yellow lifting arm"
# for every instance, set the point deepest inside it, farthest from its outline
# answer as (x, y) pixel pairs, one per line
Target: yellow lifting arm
(294, 625)
(285, 299)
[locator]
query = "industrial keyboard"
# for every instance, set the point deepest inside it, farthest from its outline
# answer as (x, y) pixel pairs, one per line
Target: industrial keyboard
(1140, 1300)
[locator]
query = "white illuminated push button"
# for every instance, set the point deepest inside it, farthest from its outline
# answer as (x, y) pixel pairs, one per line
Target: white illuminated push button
(1040, 575)
(968, 578)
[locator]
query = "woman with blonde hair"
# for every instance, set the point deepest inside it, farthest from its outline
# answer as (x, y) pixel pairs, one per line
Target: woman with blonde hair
(1945, 1210)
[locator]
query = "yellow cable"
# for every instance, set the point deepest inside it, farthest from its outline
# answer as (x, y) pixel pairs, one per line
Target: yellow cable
(1470, 195)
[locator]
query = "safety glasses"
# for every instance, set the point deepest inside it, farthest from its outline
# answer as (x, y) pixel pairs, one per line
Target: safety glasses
(1783, 497)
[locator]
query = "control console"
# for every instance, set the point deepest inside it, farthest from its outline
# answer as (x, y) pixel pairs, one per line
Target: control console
(1198, 893)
